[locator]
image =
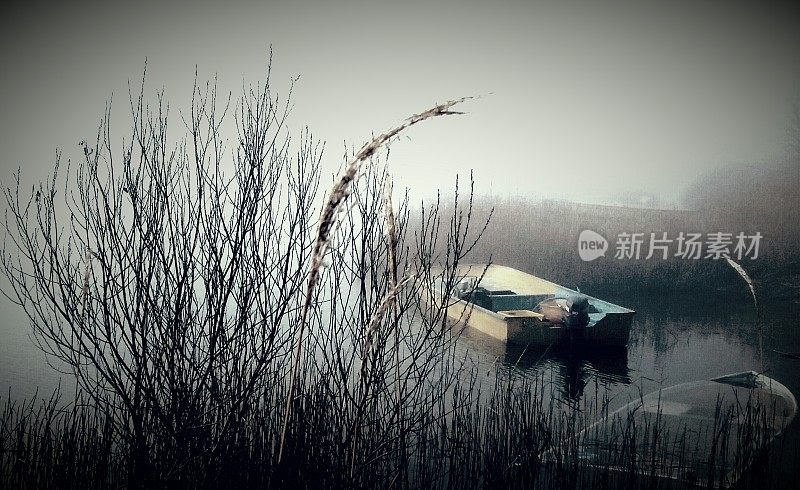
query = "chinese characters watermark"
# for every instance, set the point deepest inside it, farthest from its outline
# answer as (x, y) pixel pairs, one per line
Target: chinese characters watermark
(653, 246)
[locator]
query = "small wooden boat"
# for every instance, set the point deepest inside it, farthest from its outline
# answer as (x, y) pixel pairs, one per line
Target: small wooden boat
(519, 308)
(704, 433)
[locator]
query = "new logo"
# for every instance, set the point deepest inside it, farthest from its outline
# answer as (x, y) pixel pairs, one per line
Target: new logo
(591, 245)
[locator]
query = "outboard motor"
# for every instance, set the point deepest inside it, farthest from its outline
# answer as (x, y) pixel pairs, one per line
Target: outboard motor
(578, 309)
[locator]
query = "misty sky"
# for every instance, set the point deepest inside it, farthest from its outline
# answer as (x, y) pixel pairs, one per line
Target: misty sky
(580, 101)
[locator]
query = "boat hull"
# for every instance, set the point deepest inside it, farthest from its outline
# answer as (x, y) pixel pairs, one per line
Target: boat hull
(700, 433)
(612, 330)
(609, 324)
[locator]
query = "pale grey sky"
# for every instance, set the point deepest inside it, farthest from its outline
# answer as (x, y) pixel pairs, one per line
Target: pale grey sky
(581, 100)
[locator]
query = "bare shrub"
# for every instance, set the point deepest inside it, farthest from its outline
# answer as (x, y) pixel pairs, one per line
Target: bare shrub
(176, 293)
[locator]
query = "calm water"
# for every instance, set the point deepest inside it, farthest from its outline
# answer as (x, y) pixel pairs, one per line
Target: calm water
(673, 340)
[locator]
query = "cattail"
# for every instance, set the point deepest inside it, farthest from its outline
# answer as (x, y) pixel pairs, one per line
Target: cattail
(386, 302)
(338, 195)
(391, 239)
(738, 268)
(391, 233)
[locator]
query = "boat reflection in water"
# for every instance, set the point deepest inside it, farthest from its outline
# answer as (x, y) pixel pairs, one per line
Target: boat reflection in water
(576, 365)
(573, 367)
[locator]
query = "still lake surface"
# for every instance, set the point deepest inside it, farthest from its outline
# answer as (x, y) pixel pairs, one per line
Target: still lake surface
(674, 339)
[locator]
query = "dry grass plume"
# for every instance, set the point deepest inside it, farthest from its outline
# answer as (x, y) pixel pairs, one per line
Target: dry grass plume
(334, 204)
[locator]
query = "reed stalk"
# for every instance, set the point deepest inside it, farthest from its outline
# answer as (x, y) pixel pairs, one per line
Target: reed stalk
(328, 218)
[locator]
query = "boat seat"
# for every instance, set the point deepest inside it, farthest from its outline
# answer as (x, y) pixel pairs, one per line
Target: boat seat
(520, 314)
